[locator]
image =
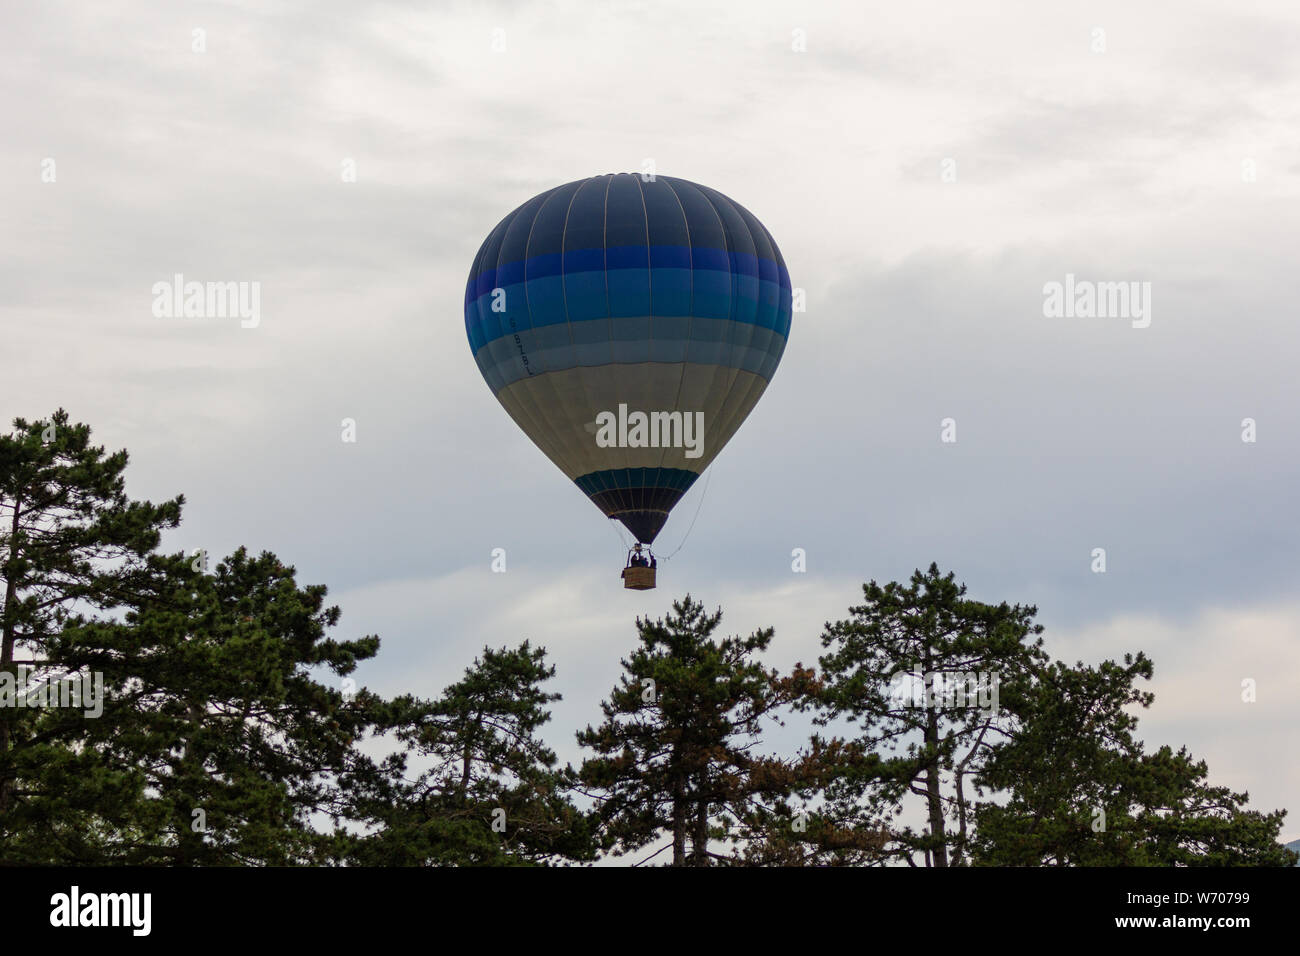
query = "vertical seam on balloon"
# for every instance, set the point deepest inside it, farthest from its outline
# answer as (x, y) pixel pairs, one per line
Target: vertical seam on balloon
(735, 278)
(650, 338)
(545, 375)
(474, 307)
(718, 366)
(498, 374)
(755, 379)
(780, 294)
(578, 373)
(623, 503)
(735, 366)
(524, 408)
(690, 312)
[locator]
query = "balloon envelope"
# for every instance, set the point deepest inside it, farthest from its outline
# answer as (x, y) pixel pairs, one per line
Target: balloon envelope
(611, 298)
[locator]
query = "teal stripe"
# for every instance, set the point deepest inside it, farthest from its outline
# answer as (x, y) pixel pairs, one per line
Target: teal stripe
(627, 293)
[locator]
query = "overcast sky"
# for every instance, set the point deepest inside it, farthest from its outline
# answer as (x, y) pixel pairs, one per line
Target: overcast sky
(926, 170)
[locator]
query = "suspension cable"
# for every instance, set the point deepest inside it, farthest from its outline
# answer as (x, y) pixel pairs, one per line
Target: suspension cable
(698, 506)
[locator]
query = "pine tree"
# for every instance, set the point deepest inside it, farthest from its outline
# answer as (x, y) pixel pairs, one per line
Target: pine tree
(490, 793)
(208, 741)
(1083, 791)
(916, 667)
(234, 750)
(70, 539)
(674, 752)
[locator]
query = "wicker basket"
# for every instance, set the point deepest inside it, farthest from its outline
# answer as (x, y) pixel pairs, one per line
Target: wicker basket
(639, 579)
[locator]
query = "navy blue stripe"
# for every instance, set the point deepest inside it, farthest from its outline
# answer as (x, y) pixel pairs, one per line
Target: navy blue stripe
(627, 479)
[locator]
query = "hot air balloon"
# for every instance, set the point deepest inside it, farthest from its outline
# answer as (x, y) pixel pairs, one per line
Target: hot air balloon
(628, 325)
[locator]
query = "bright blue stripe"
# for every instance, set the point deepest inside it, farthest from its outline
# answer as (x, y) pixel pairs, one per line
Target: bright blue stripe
(617, 257)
